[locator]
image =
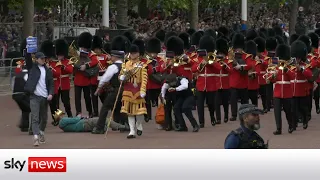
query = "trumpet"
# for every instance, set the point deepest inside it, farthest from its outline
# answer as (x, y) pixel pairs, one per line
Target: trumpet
(73, 52)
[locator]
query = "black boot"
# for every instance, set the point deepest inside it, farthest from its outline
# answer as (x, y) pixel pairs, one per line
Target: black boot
(305, 125)
(218, 121)
(277, 132)
(97, 131)
(290, 130)
(233, 119)
(318, 111)
(131, 136)
(213, 122)
(225, 120)
(201, 125)
(196, 128)
(182, 129)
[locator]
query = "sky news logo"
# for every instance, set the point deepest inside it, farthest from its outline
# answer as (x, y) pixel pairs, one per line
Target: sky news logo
(38, 164)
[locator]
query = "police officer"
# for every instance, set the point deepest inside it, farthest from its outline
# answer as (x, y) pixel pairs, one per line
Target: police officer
(245, 137)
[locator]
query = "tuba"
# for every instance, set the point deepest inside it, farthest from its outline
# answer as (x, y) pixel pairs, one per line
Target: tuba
(57, 116)
(73, 52)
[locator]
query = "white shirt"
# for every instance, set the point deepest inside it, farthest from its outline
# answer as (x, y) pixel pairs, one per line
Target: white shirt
(41, 88)
(111, 70)
(184, 83)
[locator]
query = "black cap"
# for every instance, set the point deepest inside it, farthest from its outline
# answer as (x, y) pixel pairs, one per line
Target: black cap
(249, 109)
(119, 54)
(40, 55)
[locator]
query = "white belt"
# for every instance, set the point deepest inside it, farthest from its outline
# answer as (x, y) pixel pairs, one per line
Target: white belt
(298, 81)
(187, 69)
(65, 75)
(208, 75)
(283, 82)
(223, 75)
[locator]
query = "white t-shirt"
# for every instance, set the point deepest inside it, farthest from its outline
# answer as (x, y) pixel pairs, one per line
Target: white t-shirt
(41, 88)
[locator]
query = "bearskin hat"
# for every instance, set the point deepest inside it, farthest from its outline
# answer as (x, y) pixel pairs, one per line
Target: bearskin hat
(263, 32)
(210, 32)
(153, 45)
(307, 41)
(283, 52)
(317, 31)
(195, 38)
(201, 32)
(85, 40)
(299, 50)
(161, 34)
(280, 39)
(62, 48)
(261, 44)
(293, 38)
(314, 40)
(222, 46)
(251, 34)
(130, 35)
(238, 41)
(186, 40)
(107, 47)
(23, 45)
(271, 44)
(47, 47)
(271, 33)
(251, 47)
(207, 43)
(191, 31)
(141, 45)
(262, 35)
(120, 43)
(224, 31)
(168, 35)
(97, 42)
(134, 49)
(278, 30)
(175, 44)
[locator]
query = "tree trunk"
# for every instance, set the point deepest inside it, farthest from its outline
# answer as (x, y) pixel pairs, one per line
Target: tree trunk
(293, 16)
(122, 12)
(28, 13)
(143, 9)
(194, 13)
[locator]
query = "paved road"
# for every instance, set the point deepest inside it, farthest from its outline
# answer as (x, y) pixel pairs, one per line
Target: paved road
(208, 138)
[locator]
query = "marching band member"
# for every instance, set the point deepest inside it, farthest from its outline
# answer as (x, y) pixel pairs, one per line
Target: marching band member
(184, 69)
(253, 82)
(207, 68)
(271, 45)
(312, 61)
(103, 59)
(153, 47)
(293, 38)
(85, 69)
(110, 80)
(299, 84)
(20, 66)
(135, 77)
(66, 72)
(238, 74)
(281, 77)
(174, 52)
(184, 102)
(195, 38)
(315, 52)
(262, 67)
(47, 47)
(161, 34)
(222, 94)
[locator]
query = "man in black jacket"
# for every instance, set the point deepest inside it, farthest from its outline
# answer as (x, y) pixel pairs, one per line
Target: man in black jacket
(41, 89)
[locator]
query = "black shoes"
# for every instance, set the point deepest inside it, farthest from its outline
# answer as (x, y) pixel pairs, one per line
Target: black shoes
(233, 119)
(182, 129)
(290, 130)
(277, 132)
(201, 125)
(131, 136)
(213, 122)
(218, 122)
(139, 132)
(97, 131)
(318, 111)
(305, 126)
(196, 128)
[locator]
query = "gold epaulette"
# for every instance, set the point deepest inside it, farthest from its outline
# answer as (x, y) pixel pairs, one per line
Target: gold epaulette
(193, 54)
(292, 68)
(308, 66)
(19, 63)
(195, 60)
(248, 55)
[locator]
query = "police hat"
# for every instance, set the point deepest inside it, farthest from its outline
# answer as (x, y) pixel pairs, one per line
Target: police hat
(175, 44)
(168, 35)
(251, 34)
(293, 38)
(191, 31)
(314, 40)
(261, 44)
(195, 38)
(238, 41)
(120, 43)
(249, 109)
(307, 41)
(224, 31)
(207, 43)
(299, 50)
(62, 48)
(210, 32)
(283, 52)
(251, 47)
(222, 46)
(141, 45)
(128, 34)
(161, 34)
(186, 40)
(271, 44)
(97, 42)
(153, 45)
(47, 47)
(85, 40)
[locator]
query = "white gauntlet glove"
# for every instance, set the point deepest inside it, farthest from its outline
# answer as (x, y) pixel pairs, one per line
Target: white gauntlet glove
(122, 77)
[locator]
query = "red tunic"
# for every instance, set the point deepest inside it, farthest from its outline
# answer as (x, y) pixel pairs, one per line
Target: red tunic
(66, 73)
(299, 82)
(223, 77)
(80, 79)
(282, 84)
(151, 84)
(253, 83)
(262, 68)
(237, 79)
(56, 71)
(102, 64)
(20, 65)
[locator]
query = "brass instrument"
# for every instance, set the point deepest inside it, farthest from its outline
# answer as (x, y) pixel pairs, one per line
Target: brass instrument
(57, 116)
(210, 59)
(126, 58)
(59, 63)
(130, 73)
(73, 52)
(231, 55)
